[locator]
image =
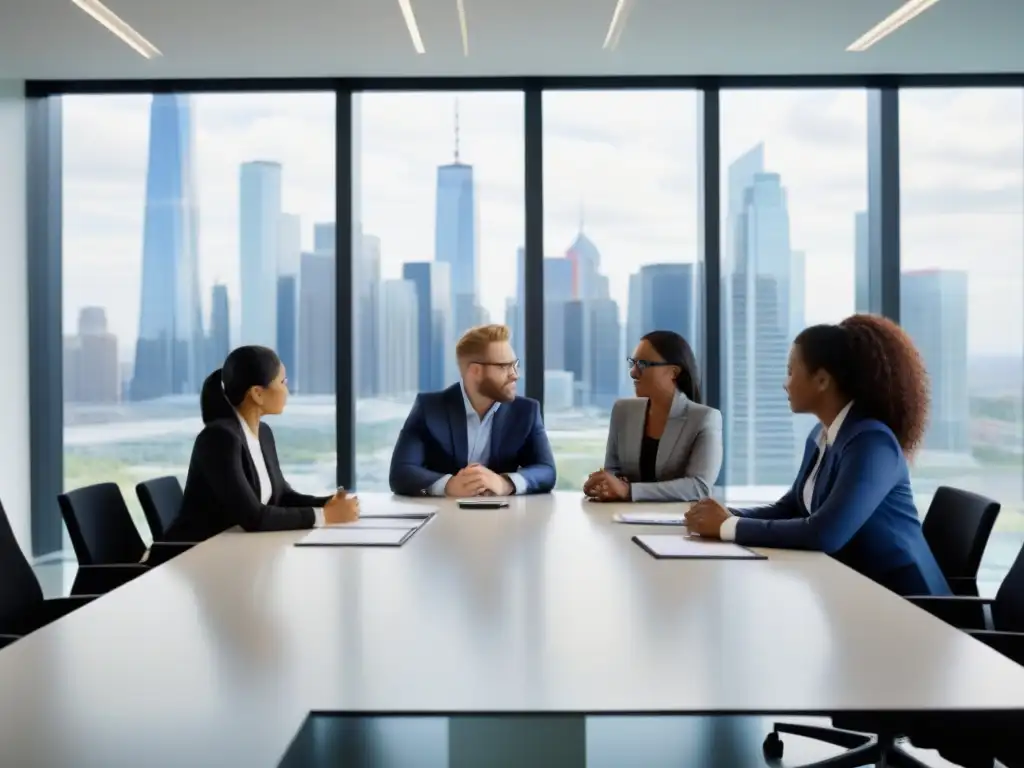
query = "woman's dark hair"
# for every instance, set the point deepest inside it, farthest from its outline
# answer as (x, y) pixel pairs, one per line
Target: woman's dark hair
(874, 362)
(244, 368)
(674, 349)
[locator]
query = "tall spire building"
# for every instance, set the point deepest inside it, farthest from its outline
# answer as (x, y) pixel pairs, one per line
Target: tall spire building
(456, 233)
(170, 351)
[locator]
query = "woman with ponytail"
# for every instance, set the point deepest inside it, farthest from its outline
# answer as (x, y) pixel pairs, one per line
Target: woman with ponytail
(866, 383)
(234, 476)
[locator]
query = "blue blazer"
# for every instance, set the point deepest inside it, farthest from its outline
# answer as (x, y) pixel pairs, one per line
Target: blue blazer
(433, 443)
(863, 511)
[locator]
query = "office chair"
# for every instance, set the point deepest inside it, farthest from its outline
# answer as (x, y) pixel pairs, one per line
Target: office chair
(161, 500)
(957, 528)
(101, 527)
(102, 533)
(23, 609)
(1001, 626)
(999, 623)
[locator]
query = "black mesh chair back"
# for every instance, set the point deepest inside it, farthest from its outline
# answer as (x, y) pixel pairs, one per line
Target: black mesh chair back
(957, 528)
(161, 500)
(19, 588)
(100, 526)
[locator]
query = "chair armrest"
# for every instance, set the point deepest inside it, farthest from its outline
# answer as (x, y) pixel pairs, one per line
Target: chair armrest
(162, 551)
(1010, 644)
(6, 640)
(961, 611)
(100, 579)
(41, 614)
(964, 586)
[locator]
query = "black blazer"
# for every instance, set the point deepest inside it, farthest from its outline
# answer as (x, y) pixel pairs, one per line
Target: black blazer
(223, 489)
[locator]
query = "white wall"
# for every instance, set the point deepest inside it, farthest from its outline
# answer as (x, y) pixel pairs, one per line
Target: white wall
(14, 434)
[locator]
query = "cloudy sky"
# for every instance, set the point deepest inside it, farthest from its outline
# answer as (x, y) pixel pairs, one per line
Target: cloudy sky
(624, 162)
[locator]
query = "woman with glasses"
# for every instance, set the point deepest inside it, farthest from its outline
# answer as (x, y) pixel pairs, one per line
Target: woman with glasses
(663, 444)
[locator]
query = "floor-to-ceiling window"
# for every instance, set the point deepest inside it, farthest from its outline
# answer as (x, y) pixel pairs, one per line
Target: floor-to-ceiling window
(439, 226)
(193, 223)
(962, 294)
(794, 183)
(621, 252)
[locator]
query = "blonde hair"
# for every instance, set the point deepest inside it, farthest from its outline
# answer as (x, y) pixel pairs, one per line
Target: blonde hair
(475, 341)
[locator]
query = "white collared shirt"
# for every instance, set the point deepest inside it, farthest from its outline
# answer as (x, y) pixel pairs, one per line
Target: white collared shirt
(826, 438)
(478, 444)
(256, 454)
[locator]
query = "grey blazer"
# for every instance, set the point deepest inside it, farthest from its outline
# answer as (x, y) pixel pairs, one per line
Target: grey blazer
(689, 453)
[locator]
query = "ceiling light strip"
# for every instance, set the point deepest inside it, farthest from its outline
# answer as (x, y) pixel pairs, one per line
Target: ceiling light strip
(905, 13)
(119, 27)
(410, 23)
(619, 17)
(463, 27)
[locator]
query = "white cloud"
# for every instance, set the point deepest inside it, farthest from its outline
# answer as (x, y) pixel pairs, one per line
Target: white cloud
(628, 158)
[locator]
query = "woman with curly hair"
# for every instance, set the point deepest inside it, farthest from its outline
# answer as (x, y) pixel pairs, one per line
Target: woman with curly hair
(866, 383)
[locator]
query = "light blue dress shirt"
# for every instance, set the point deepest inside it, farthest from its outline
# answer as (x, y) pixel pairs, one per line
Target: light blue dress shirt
(478, 444)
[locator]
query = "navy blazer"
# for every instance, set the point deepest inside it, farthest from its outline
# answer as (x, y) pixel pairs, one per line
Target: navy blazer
(863, 511)
(433, 443)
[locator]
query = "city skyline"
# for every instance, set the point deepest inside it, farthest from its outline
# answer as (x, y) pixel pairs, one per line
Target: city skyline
(621, 240)
(624, 247)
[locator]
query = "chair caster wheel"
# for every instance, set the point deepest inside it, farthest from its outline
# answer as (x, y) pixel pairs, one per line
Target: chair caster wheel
(772, 746)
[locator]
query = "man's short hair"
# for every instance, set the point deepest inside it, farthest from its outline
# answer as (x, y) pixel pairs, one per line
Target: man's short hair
(474, 342)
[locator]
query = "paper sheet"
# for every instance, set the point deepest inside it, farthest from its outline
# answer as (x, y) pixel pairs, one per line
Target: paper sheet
(344, 536)
(674, 546)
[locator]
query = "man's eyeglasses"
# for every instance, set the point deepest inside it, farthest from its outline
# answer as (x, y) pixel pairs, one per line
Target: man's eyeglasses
(510, 367)
(643, 365)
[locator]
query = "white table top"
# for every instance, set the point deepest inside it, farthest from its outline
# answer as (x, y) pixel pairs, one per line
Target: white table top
(544, 606)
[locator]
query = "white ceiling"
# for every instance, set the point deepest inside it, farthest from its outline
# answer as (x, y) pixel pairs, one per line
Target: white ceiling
(52, 39)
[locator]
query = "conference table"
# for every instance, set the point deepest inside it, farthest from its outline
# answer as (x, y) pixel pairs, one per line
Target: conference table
(217, 656)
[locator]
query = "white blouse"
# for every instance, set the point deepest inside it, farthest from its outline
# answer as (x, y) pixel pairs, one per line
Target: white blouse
(826, 439)
(256, 452)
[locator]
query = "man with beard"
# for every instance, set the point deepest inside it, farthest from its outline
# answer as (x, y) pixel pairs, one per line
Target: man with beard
(476, 438)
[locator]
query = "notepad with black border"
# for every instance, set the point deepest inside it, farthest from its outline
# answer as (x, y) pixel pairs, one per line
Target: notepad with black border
(675, 547)
(340, 536)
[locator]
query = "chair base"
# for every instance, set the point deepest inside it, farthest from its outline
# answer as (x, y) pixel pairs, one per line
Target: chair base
(863, 750)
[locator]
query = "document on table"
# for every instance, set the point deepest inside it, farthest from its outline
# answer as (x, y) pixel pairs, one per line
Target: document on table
(677, 517)
(405, 523)
(389, 508)
(345, 536)
(667, 546)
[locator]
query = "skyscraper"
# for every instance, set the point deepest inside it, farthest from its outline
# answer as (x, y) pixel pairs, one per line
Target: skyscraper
(606, 363)
(317, 336)
(665, 299)
(435, 350)
(288, 324)
(933, 310)
(323, 236)
(587, 280)
(862, 264)
(259, 249)
(170, 351)
(759, 427)
(397, 357)
(219, 342)
(455, 236)
(91, 368)
(289, 263)
(366, 287)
